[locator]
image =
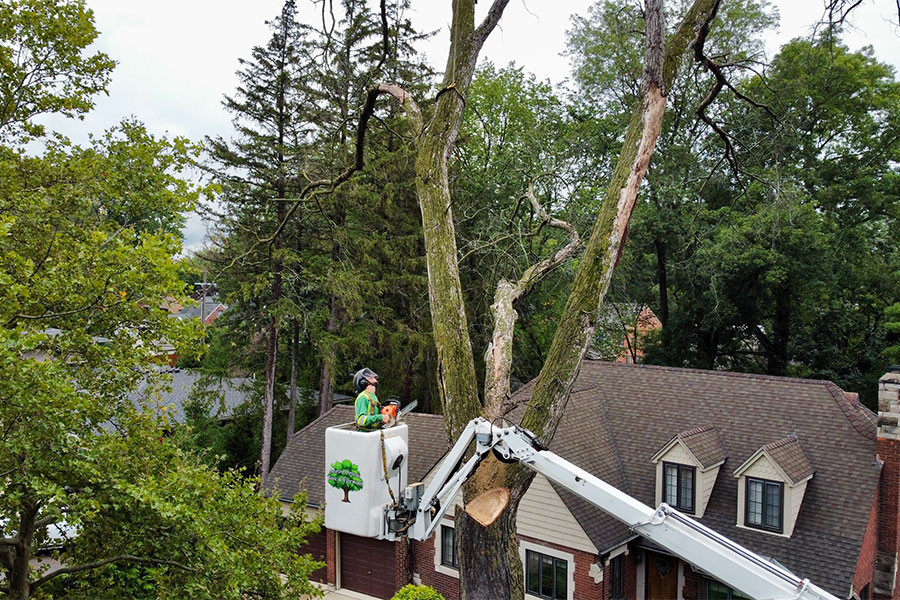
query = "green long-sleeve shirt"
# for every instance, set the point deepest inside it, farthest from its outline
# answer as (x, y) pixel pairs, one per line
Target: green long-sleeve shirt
(368, 411)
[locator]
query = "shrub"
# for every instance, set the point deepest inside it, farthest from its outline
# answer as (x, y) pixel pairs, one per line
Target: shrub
(417, 592)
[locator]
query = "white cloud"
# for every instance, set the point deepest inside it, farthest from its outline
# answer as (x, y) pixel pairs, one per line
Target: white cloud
(178, 58)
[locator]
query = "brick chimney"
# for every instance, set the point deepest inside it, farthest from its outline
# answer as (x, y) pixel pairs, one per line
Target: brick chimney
(885, 577)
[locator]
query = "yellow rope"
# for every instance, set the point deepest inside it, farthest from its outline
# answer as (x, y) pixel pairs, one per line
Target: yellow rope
(387, 479)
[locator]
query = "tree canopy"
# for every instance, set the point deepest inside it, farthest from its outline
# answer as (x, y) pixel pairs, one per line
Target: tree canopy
(94, 494)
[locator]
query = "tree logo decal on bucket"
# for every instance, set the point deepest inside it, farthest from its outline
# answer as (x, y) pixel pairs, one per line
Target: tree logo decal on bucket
(344, 475)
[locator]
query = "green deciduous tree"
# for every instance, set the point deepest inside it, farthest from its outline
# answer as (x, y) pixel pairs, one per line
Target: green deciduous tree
(42, 66)
(81, 318)
(88, 479)
(785, 268)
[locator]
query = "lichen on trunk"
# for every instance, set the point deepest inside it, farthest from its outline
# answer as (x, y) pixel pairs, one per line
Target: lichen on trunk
(486, 552)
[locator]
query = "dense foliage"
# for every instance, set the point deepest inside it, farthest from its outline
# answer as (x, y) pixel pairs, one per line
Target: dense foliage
(93, 494)
(779, 260)
(416, 592)
(343, 278)
(763, 241)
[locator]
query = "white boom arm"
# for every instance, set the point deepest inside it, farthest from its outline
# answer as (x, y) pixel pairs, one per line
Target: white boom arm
(681, 535)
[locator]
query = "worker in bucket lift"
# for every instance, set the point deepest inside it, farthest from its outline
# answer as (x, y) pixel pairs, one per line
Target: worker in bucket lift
(368, 408)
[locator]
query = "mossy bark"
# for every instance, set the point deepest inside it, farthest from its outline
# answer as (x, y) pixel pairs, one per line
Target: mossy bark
(576, 326)
(497, 553)
(456, 365)
(489, 558)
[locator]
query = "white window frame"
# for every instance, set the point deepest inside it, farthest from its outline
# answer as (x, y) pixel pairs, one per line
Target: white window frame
(566, 556)
(439, 567)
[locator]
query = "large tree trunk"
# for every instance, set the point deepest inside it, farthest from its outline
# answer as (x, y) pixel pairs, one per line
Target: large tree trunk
(20, 583)
(455, 362)
(576, 326)
(272, 348)
(277, 269)
(268, 399)
(490, 565)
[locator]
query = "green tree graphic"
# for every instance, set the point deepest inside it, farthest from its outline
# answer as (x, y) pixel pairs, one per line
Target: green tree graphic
(344, 475)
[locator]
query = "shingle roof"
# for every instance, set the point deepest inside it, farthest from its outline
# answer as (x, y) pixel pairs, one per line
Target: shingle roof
(618, 414)
(231, 392)
(623, 413)
(227, 392)
(790, 458)
(703, 443)
(303, 461)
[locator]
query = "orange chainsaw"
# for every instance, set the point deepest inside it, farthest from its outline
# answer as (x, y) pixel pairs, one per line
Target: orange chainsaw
(393, 410)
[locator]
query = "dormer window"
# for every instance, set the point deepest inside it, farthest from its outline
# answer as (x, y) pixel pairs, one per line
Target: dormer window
(678, 483)
(771, 486)
(765, 504)
(686, 469)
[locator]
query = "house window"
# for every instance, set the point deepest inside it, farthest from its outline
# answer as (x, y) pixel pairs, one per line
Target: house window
(765, 504)
(448, 547)
(678, 486)
(713, 590)
(617, 577)
(546, 576)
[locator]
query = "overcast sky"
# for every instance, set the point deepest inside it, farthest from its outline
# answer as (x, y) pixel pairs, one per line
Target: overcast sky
(176, 58)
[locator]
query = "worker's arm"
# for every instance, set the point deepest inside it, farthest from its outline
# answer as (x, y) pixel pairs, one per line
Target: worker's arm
(363, 418)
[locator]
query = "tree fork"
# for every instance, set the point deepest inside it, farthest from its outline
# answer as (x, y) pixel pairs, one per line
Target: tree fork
(594, 273)
(499, 353)
(605, 246)
(456, 376)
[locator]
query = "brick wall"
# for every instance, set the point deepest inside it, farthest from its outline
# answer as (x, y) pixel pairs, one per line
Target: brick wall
(331, 553)
(865, 565)
(888, 511)
(585, 588)
(632, 568)
(423, 564)
(889, 453)
(692, 582)
(402, 567)
(605, 586)
(584, 583)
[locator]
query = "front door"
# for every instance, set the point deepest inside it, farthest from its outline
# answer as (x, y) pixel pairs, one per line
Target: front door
(662, 577)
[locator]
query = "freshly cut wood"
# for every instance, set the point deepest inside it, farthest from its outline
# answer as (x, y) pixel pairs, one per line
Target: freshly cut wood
(488, 506)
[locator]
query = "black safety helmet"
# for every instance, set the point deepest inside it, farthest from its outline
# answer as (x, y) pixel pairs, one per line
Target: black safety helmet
(361, 377)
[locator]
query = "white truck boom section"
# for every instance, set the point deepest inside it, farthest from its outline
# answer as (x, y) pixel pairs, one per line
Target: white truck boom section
(418, 512)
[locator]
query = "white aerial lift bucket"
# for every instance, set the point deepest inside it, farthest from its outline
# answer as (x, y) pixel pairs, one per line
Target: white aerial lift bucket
(357, 492)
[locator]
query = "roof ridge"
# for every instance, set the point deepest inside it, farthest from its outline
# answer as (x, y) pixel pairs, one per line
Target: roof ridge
(731, 374)
(862, 419)
(695, 431)
(782, 442)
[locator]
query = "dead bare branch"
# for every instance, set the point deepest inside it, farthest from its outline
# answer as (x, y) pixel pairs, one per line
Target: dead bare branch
(316, 188)
(487, 25)
(498, 355)
(837, 11)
